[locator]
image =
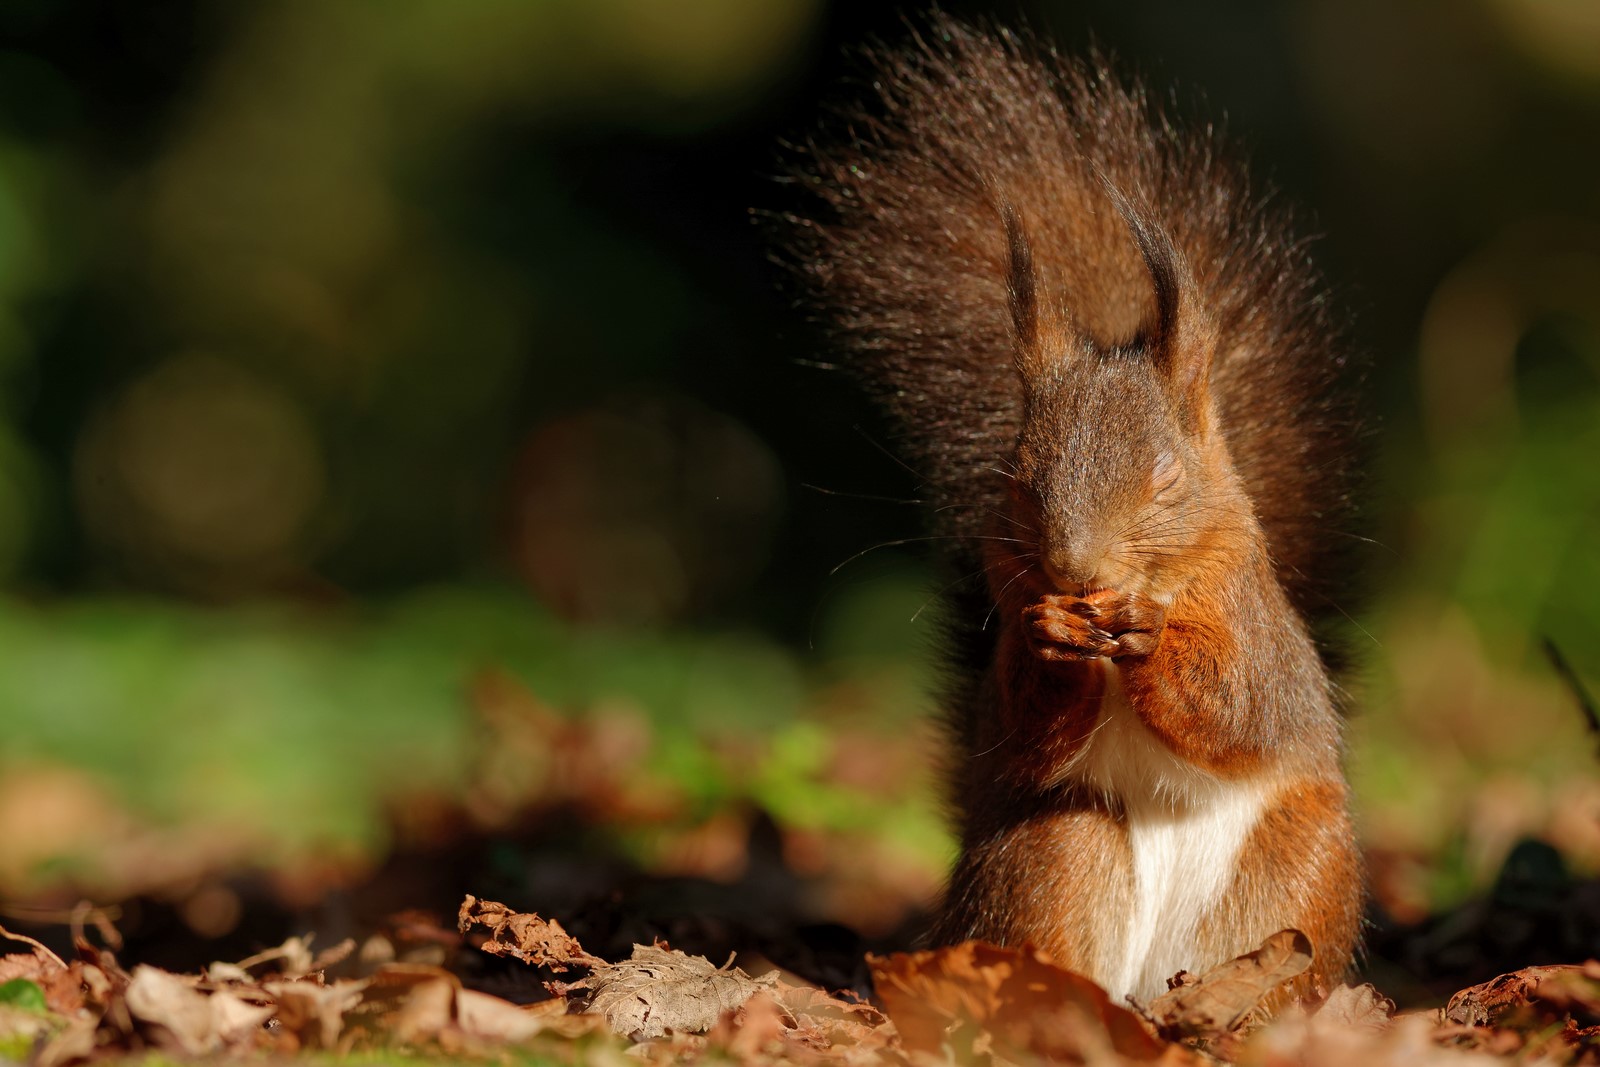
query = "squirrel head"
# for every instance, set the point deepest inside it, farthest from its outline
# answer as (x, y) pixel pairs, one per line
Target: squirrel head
(1121, 470)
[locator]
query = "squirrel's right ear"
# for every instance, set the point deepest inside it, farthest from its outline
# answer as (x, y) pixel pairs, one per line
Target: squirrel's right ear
(1037, 335)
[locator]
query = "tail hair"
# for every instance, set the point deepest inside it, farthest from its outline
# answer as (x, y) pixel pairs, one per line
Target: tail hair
(989, 173)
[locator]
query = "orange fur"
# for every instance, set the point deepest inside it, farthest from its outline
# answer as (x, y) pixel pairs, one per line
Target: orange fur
(1297, 870)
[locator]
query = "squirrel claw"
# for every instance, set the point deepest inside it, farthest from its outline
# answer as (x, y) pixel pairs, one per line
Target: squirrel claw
(1135, 643)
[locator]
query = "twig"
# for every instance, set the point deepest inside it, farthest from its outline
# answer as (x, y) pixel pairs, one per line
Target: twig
(38, 946)
(1568, 676)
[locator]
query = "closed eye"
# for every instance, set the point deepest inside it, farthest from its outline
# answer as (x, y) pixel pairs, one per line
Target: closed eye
(1165, 477)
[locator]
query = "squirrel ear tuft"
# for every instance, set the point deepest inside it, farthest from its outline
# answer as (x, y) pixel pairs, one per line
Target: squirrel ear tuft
(1022, 287)
(1181, 340)
(1034, 330)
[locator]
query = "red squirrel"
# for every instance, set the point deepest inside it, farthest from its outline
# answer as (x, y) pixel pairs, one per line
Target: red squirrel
(1116, 370)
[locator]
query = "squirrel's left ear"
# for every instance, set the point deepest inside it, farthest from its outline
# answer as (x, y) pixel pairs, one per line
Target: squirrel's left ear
(1183, 338)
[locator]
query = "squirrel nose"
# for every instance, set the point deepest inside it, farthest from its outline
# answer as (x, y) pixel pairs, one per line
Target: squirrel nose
(1066, 565)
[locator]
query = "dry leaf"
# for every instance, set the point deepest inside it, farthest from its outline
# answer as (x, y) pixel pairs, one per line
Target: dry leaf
(62, 986)
(236, 1019)
(294, 959)
(419, 1004)
(180, 1013)
(493, 1019)
(800, 1023)
(426, 1011)
(313, 1014)
(1298, 1039)
(75, 1043)
(391, 985)
(824, 1022)
(1220, 999)
(659, 989)
(524, 935)
(1346, 1023)
(1356, 1007)
(976, 998)
(1557, 1006)
(758, 1027)
(1574, 990)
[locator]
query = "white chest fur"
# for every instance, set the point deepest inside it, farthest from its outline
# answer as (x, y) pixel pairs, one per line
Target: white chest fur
(1185, 829)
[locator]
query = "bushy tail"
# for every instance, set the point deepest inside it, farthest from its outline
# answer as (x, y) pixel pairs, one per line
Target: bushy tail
(907, 261)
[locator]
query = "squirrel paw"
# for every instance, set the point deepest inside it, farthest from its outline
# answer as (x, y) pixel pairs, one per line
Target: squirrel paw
(1063, 628)
(1135, 622)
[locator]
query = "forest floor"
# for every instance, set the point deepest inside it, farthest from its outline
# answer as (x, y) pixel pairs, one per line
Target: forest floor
(747, 896)
(631, 963)
(509, 987)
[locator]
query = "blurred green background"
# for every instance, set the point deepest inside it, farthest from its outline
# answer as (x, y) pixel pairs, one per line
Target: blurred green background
(398, 411)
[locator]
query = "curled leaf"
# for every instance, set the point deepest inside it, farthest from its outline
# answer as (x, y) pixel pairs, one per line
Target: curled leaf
(1220, 999)
(524, 936)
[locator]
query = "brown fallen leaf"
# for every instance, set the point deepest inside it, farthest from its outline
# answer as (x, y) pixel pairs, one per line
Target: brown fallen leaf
(311, 1015)
(826, 1022)
(294, 959)
(236, 1020)
(411, 1003)
(1359, 1007)
(426, 1013)
(975, 999)
(759, 1027)
(1219, 1000)
(422, 1005)
(73, 1044)
(1575, 990)
(791, 1023)
(660, 989)
(60, 982)
(1298, 1038)
(524, 935)
(1348, 1019)
(492, 1019)
(1537, 1008)
(179, 1016)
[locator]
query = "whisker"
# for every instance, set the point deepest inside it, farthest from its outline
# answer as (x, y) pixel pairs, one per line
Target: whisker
(1326, 599)
(915, 540)
(859, 496)
(991, 509)
(1018, 523)
(994, 747)
(943, 591)
(896, 460)
(1001, 596)
(1358, 537)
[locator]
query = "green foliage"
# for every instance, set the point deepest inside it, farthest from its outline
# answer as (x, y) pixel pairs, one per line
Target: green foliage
(295, 728)
(24, 995)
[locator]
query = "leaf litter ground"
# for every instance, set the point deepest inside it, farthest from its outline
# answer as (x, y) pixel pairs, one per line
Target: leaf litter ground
(502, 985)
(394, 995)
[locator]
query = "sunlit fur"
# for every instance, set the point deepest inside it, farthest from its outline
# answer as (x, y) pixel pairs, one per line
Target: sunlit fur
(1112, 363)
